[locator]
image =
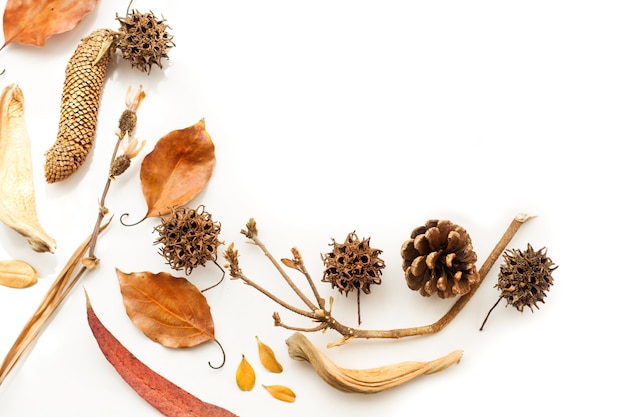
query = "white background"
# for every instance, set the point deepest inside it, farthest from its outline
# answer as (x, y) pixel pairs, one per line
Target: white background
(336, 116)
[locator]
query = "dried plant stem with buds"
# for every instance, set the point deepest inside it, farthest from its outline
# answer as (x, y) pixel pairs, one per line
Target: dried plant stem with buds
(317, 310)
(84, 257)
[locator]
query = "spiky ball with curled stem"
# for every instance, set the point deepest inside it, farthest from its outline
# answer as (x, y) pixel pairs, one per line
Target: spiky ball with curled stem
(524, 278)
(144, 40)
(190, 238)
(353, 265)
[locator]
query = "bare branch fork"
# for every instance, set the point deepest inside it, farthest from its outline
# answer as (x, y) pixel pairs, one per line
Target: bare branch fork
(319, 313)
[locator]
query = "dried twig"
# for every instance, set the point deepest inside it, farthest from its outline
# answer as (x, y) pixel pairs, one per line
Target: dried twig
(320, 314)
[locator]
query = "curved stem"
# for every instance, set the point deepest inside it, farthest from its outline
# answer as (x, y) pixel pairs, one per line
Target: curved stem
(489, 312)
(219, 282)
(223, 356)
(130, 224)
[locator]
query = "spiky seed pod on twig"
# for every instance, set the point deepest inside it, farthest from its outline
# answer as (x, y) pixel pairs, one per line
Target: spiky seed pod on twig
(524, 278)
(190, 238)
(144, 40)
(439, 259)
(353, 265)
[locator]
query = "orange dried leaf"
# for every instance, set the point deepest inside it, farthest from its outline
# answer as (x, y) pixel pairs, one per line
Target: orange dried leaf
(32, 22)
(177, 169)
(169, 310)
(267, 357)
(281, 392)
(245, 375)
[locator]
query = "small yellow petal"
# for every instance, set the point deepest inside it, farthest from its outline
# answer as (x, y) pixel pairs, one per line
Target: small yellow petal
(281, 392)
(245, 375)
(267, 357)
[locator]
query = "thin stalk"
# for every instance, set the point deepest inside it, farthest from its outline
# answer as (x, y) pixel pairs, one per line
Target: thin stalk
(281, 271)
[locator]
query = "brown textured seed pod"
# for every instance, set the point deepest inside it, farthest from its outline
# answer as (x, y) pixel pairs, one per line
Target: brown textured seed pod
(144, 40)
(80, 101)
(525, 277)
(353, 266)
(189, 238)
(439, 259)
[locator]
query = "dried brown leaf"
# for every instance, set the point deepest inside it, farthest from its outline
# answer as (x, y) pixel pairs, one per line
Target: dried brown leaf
(159, 392)
(245, 375)
(177, 169)
(32, 22)
(281, 392)
(169, 310)
(267, 357)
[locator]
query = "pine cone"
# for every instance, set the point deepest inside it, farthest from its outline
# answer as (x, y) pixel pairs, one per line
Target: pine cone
(189, 238)
(524, 277)
(439, 258)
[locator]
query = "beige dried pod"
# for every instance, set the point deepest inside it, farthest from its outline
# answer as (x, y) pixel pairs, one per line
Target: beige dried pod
(17, 274)
(17, 205)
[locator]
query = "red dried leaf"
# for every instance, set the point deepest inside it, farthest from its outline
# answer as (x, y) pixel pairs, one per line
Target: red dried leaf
(169, 310)
(32, 22)
(177, 169)
(159, 392)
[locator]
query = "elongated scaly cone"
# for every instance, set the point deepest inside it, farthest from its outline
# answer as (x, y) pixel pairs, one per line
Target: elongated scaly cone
(84, 78)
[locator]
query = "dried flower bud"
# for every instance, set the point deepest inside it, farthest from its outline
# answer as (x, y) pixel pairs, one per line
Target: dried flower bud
(189, 238)
(353, 265)
(119, 165)
(127, 123)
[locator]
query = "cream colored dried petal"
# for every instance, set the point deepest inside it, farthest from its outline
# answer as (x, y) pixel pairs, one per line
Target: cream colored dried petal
(17, 202)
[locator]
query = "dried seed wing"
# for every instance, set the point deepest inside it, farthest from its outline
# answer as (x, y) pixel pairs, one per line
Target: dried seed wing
(281, 392)
(267, 357)
(245, 375)
(18, 208)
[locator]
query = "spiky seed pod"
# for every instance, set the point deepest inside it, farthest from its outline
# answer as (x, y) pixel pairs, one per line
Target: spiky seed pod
(80, 101)
(189, 238)
(439, 259)
(353, 265)
(144, 40)
(525, 277)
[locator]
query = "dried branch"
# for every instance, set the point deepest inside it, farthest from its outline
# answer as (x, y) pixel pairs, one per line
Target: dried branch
(81, 261)
(324, 316)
